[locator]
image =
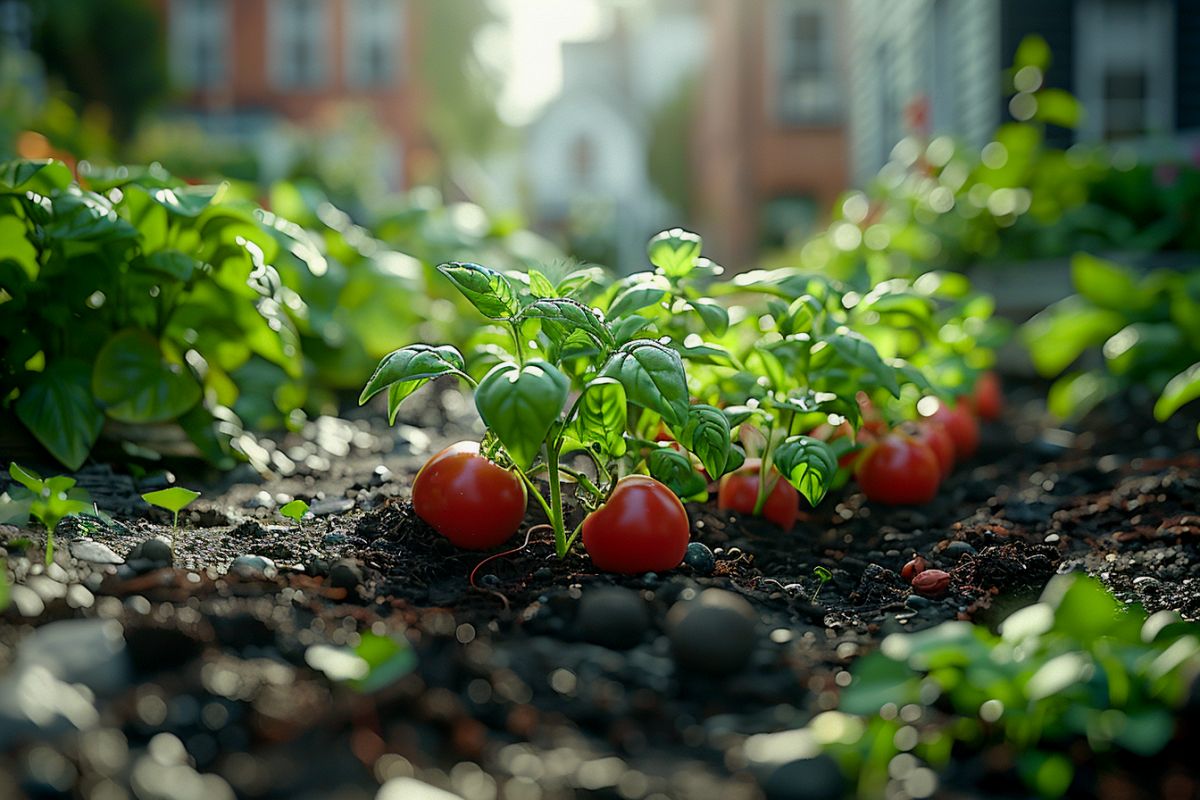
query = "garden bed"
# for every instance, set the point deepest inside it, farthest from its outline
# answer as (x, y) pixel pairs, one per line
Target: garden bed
(537, 682)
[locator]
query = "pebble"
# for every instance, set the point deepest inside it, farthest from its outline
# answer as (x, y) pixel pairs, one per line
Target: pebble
(87, 651)
(261, 500)
(156, 551)
(700, 558)
(253, 566)
(345, 574)
(959, 549)
(337, 537)
(713, 634)
(95, 552)
(334, 505)
(817, 778)
(380, 476)
(917, 602)
(612, 617)
(27, 602)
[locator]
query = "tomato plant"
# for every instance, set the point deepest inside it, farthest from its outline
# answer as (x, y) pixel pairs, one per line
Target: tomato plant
(473, 502)
(899, 470)
(739, 491)
(641, 527)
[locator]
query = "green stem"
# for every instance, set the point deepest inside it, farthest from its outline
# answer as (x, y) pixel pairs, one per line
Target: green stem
(556, 507)
(574, 535)
(764, 470)
(516, 333)
(534, 491)
(582, 480)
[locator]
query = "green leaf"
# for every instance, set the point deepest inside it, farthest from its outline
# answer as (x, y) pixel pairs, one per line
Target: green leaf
(641, 291)
(855, 350)
(174, 499)
(42, 176)
(520, 405)
(540, 286)
(653, 377)
(388, 659)
(86, 216)
(186, 201)
(1106, 284)
(171, 263)
(1049, 774)
(674, 252)
(488, 290)
(1077, 393)
(134, 383)
(1060, 333)
(578, 281)
(405, 370)
(707, 435)
(59, 410)
(294, 510)
(808, 464)
(1058, 107)
(15, 246)
(1032, 52)
(675, 469)
(601, 416)
(562, 316)
(713, 314)
(26, 477)
(1180, 390)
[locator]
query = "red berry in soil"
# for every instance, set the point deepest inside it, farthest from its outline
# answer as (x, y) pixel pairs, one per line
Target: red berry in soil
(931, 582)
(962, 426)
(641, 528)
(739, 492)
(988, 398)
(473, 502)
(913, 568)
(898, 470)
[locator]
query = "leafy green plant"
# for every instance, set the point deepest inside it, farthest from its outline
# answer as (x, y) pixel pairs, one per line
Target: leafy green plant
(1147, 327)
(47, 500)
(823, 577)
(1077, 666)
(173, 499)
(295, 510)
(545, 346)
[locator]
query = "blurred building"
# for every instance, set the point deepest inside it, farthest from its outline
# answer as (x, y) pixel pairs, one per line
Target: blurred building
(770, 151)
(588, 153)
(934, 65)
(244, 66)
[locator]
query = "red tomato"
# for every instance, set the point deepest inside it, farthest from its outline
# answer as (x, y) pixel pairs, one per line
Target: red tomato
(827, 433)
(962, 426)
(988, 399)
(642, 528)
(872, 418)
(933, 434)
(899, 470)
(739, 492)
(473, 502)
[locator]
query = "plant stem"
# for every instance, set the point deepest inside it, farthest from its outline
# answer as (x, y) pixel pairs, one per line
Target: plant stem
(516, 332)
(582, 480)
(556, 508)
(764, 470)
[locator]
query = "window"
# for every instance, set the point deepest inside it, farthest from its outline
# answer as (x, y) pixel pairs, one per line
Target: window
(297, 31)
(804, 63)
(1124, 68)
(373, 37)
(199, 34)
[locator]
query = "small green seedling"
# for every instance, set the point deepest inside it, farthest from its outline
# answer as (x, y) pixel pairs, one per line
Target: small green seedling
(48, 500)
(823, 577)
(175, 499)
(295, 510)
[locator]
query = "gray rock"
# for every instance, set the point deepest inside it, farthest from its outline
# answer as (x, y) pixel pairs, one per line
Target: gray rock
(252, 566)
(959, 549)
(27, 602)
(334, 505)
(700, 558)
(337, 537)
(87, 651)
(345, 574)
(261, 500)
(95, 552)
(156, 551)
(714, 634)
(612, 617)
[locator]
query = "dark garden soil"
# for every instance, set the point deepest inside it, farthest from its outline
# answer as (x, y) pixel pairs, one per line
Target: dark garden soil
(216, 678)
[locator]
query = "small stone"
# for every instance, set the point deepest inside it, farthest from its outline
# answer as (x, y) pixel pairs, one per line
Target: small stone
(700, 558)
(380, 475)
(612, 617)
(95, 552)
(261, 500)
(650, 580)
(959, 549)
(156, 551)
(345, 574)
(27, 602)
(713, 634)
(543, 573)
(490, 581)
(917, 602)
(87, 651)
(247, 529)
(337, 537)
(253, 566)
(334, 505)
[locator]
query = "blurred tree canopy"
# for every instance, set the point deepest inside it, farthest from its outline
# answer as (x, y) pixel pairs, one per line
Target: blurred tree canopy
(106, 52)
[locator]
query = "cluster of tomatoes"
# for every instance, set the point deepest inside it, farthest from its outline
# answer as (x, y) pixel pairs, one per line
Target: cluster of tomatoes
(894, 466)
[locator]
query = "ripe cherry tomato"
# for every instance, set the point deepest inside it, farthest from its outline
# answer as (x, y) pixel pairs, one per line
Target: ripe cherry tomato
(899, 470)
(988, 398)
(473, 502)
(739, 492)
(827, 433)
(962, 426)
(934, 435)
(642, 528)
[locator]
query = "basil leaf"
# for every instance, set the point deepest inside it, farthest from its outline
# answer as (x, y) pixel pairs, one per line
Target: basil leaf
(488, 290)
(707, 435)
(855, 350)
(404, 371)
(562, 316)
(601, 417)
(59, 411)
(653, 377)
(808, 464)
(640, 291)
(134, 383)
(674, 252)
(713, 315)
(520, 404)
(676, 471)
